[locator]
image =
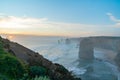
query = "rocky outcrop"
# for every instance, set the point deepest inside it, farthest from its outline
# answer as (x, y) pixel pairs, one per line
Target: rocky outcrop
(88, 44)
(86, 50)
(55, 71)
(108, 43)
(67, 41)
(117, 58)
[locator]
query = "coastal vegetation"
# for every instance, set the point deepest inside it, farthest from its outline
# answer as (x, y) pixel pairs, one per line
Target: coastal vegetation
(12, 68)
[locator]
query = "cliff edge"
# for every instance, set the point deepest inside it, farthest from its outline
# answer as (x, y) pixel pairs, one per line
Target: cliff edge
(55, 71)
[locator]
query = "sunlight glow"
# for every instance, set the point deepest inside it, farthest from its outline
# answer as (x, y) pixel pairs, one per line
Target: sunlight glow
(10, 37)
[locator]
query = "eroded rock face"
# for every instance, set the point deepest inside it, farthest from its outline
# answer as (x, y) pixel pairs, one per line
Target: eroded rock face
(86, 49)
(117, 58)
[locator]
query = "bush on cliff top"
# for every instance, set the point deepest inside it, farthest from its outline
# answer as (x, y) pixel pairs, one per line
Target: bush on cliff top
(10, 66)
(41, 78)
(37, 71)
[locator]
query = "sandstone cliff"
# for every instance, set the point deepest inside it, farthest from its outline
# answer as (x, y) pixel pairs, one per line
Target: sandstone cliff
(87, 45)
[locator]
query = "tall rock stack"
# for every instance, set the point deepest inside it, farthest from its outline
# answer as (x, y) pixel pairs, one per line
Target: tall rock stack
(67, 41)
(117, 58)
(86, 49)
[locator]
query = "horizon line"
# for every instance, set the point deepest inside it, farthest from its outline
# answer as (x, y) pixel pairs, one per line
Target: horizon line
(57, 35)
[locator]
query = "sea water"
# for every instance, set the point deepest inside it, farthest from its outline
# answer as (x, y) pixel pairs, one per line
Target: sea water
(56, 50)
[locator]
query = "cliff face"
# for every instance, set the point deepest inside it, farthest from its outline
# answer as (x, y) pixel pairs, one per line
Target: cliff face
(55, 71)
(88, 44)
(117, 59)
(109, 43)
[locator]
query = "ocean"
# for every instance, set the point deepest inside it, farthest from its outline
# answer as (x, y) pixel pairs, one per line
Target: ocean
(57, 50)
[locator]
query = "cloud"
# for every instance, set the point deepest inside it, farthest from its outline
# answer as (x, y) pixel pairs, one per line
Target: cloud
(43, 26)
(19, 22)
(117, 21)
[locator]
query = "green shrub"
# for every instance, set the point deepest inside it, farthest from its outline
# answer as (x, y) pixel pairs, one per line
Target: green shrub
(11, 66)
(37, 71)
(25, 77)
(3, 77)
(41, 78)
(36, 78)
(1, 48)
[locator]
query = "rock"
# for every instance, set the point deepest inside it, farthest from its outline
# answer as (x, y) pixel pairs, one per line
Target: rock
(86, 49)
(117, 58)
(67, 41)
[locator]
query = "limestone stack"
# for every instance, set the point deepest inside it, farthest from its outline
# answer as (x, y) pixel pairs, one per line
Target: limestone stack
(86, 49)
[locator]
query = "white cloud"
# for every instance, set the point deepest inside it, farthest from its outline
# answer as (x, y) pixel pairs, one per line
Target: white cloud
(117, 21)
(43, 26)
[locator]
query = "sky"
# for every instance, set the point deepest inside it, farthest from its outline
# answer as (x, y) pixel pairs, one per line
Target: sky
(74, 18)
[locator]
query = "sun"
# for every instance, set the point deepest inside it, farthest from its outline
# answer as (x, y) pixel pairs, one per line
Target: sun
(10, 37)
